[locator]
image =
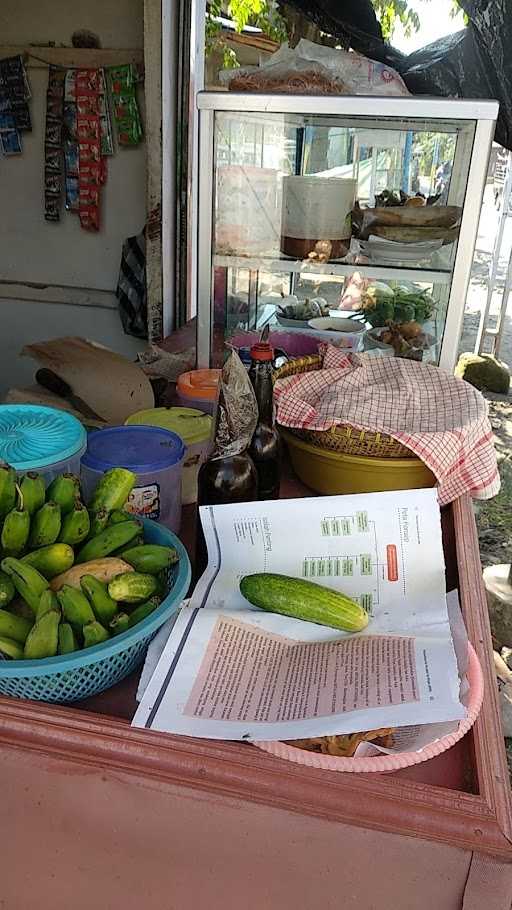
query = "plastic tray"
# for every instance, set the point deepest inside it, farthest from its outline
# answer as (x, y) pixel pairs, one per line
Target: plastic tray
(399, 760)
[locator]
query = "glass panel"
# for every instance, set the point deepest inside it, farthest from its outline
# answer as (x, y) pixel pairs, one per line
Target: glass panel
(328, 216)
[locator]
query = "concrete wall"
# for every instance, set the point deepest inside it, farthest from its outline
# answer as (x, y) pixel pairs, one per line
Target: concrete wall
(57, 279)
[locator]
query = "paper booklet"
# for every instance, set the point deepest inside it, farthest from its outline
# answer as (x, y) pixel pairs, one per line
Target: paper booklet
(232, 671)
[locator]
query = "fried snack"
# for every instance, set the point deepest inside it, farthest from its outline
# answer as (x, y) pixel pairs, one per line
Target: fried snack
(309, 82)
(344, 745)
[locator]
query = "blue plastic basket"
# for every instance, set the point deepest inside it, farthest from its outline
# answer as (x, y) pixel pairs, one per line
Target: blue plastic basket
(71, 677)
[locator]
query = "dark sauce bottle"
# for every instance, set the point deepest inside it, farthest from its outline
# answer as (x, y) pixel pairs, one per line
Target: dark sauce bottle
(265, 448)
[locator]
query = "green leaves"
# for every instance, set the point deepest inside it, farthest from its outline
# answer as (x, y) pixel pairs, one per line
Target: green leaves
(390, 12)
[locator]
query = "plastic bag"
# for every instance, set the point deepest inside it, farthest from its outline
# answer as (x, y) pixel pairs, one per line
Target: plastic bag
(237, 410)
(314, 69)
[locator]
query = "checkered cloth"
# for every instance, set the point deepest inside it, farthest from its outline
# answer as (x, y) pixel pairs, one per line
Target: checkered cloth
(441, 419)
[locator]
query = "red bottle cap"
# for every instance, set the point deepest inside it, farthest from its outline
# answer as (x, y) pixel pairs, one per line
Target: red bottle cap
(262, 351)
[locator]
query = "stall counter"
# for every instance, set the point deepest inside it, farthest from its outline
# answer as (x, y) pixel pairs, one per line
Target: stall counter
(99, 813)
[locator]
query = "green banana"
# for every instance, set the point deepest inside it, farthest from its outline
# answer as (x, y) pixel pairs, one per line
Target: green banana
(137, 541)
(15, 531)
(12, 649)
(33, 492)
(132, 587)
(7, 489)
(112, 490)
(63, 490)
(103, 606)
(150, 558)
(67, 639)
(45, 526)
(75, 525)
(43, 638)
(142, 611)
(119, 624)
(52, 560)
(14, 627)
(75, 606)
(28, 582)
(47, 603)
(94, 634)
(7, 590)
(118, 516)
(98, 523)
(108, 541)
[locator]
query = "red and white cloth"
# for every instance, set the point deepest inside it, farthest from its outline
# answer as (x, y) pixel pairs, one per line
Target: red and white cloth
(443, 420)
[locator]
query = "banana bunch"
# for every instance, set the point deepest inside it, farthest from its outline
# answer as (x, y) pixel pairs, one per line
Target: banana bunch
(71, 576)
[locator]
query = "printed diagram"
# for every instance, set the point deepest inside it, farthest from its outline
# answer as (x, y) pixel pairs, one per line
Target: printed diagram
(355, 565)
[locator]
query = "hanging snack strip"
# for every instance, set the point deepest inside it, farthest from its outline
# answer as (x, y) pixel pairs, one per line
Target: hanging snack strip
(71, 142)
(123, 81)
(53, 171)
(14, 110)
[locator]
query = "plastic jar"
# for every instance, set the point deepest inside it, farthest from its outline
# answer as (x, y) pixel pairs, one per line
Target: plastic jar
(198, 389)
(154, 455)
(194, 427)
(37, 438)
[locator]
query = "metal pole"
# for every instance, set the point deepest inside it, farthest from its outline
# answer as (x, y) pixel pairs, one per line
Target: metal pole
(505, 201)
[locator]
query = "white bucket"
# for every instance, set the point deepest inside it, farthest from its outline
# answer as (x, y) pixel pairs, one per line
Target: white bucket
(317, 207)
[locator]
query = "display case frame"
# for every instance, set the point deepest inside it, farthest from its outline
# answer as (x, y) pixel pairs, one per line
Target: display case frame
(470, 166)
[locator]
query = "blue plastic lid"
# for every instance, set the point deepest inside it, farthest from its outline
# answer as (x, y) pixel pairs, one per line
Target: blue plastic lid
(33, 436)
(140, 449)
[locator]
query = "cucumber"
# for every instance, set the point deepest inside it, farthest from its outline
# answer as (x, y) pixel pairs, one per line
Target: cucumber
(52, 560)
(150, 558)
(142, 611)
(303, 600)
(110, 540)
(132, 587)
(113, 490)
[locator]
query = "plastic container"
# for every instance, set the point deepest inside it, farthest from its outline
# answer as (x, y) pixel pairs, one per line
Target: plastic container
(194, 427)
(198, 389)
(37, 438)
(71, 677)
(315, 209)
(334, 472)
(156, 456)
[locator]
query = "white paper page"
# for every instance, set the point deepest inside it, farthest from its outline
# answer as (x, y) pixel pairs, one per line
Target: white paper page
(383, 549)
(225, 687)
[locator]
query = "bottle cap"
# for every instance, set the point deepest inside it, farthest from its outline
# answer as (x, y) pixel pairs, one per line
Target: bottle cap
(262, 351)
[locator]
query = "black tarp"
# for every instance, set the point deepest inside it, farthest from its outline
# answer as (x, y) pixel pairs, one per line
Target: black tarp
(473, 63)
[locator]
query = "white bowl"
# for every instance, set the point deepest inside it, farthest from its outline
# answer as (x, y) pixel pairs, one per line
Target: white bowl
(336, 324)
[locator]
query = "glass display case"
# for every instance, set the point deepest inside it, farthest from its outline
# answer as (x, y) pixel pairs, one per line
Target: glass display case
(349, 219)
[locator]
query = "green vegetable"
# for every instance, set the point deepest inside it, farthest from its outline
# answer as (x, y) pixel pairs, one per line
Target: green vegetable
(63, 490)
(28, 582)
(15, 531)
(14, 627)
(150, 558)
(47, 603)
(33, 492)
(132, 587)
(11, 649)
(52, 560)
(94, 634)
(45, 526)
(119, 624)
(142, 611)
(7, 489)
(303, 600)
(43, 638)
(75, 525)
(103, 606)
(99, 521)
(110, 540)
(117, 516)
(112, 490)
(67, 640)
(75, 607)
(7, 590)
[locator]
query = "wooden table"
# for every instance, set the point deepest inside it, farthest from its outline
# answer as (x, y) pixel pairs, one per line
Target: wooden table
(99, 814)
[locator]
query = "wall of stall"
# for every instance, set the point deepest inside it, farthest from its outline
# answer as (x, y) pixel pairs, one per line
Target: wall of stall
(58, 279)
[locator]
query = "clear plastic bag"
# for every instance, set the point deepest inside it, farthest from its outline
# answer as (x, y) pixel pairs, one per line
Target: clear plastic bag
(237, 411)
(314, 69)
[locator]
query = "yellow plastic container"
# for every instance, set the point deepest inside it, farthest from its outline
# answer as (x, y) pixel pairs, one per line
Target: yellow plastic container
(333, 472)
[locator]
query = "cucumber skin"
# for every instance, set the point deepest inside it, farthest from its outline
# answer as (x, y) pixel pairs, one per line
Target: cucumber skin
(303, 599)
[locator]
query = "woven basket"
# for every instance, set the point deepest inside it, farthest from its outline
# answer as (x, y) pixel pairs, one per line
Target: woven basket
(343, 438)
